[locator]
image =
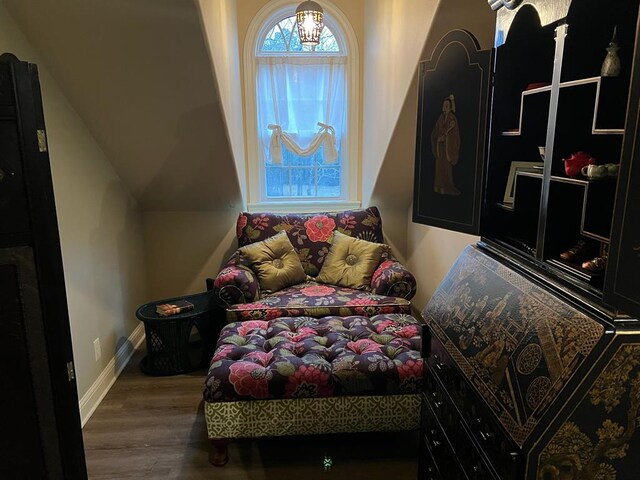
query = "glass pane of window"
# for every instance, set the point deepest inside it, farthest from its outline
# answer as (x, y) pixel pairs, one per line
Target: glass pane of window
(329, 181)
(290, 182)
(277, 177)
(288, 25)
(327, 42)
(295, 45)
(283, 37)
(274, 41)
(296, 96)
(302, 177)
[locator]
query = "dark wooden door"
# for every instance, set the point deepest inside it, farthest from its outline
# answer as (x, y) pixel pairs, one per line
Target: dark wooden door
(452, 134)
(621, 287)
(39, 416)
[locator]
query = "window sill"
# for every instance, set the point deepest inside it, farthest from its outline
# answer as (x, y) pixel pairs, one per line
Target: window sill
(313, 206)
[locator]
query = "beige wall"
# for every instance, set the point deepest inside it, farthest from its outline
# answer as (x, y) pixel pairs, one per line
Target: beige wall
(184, 248)
(100, 227)
(220, 28)
(432, 251)
(395, 31)
(197, 243)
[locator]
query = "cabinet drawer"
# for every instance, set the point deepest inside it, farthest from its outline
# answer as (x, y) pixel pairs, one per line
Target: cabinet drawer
(471, 459)
(442, 456)
(428, 469)
(503, 455)
(451, 397)
(468, 460)
(439, 404)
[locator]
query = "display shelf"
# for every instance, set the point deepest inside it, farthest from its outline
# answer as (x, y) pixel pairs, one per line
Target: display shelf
(597, 210)
(577, 272)
(530, 174)
(548, 95)
(600, 85)
(593, 205)
(528, 221)
(604, 88)
(523, 96)
(522, 174)
(574, 181)
(505, 206)
(595, 236)
(519, 245)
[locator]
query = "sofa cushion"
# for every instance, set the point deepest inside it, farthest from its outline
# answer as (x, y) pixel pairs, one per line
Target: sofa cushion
(351, 262)
(317, 300)
(310, 233)
(298, 357)
(274, 261)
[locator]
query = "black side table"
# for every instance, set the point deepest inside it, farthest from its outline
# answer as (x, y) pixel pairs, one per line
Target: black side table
(169, 351)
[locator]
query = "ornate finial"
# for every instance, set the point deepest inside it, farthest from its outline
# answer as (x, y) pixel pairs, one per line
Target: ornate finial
(611, 64)
(509, 4)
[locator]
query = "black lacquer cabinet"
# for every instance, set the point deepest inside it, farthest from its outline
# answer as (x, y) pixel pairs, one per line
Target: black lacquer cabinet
(534, 340)
(39, 416)
(522, 384)
(494, 163)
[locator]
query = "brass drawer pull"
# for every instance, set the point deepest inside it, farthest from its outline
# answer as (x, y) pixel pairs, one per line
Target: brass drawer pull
(486, 436)
(439, 364)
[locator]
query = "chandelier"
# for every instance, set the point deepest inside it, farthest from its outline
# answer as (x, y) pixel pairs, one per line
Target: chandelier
(309, 16)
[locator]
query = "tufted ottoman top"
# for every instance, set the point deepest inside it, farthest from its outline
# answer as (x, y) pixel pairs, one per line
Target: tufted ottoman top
(293, 357)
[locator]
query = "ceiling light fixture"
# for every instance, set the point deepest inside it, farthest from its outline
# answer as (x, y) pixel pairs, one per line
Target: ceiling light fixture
(309, 16)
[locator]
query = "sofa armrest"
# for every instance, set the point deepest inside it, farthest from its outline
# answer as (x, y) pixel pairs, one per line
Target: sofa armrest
(235, 284)
(391, 278)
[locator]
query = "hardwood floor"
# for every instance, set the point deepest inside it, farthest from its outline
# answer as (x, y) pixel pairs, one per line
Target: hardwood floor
(153, 427)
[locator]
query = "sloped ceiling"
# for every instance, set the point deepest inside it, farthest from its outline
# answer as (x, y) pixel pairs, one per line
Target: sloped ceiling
(139, 75)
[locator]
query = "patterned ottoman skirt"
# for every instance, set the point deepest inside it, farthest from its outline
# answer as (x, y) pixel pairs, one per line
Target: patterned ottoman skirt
(302, 375)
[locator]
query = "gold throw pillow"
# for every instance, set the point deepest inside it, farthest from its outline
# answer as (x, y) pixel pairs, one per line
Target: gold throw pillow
(351, 262)
(274, 261)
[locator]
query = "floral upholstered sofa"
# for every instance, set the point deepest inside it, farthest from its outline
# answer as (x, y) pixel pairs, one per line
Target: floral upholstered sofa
(304, 375)
(328, 346)
(238, 290)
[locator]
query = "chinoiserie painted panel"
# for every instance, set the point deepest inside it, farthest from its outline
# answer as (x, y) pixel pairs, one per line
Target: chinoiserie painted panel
(515, 342)
(599, 439)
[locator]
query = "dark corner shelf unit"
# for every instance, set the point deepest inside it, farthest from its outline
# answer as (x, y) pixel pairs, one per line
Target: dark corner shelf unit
(547, 100)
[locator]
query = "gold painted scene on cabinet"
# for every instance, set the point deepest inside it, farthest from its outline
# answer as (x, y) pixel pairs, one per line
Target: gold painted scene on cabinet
(516, 343)
(587, 447)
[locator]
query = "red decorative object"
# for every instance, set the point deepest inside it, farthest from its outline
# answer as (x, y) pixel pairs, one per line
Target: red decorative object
(533, 86)
(573, 165)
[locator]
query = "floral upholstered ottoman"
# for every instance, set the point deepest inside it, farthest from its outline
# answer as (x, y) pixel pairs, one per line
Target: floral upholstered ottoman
(303, 375)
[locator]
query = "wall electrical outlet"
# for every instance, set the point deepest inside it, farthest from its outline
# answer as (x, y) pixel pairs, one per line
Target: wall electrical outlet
(96, 348)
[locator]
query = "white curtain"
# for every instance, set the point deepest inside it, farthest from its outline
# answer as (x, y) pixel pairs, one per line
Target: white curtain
(325, 137)
(301, 105)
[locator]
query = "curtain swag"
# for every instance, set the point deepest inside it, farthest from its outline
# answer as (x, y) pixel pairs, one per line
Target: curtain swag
(326, 136)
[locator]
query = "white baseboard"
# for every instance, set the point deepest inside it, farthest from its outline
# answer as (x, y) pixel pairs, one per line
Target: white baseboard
(90, 400)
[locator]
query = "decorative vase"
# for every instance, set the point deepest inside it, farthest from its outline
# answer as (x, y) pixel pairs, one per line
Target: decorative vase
(573, 165)
(611, 63)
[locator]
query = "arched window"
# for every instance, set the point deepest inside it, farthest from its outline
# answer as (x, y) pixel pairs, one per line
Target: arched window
(301, 112)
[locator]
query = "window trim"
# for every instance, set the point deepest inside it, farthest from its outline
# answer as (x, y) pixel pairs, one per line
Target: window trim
(271, 13)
